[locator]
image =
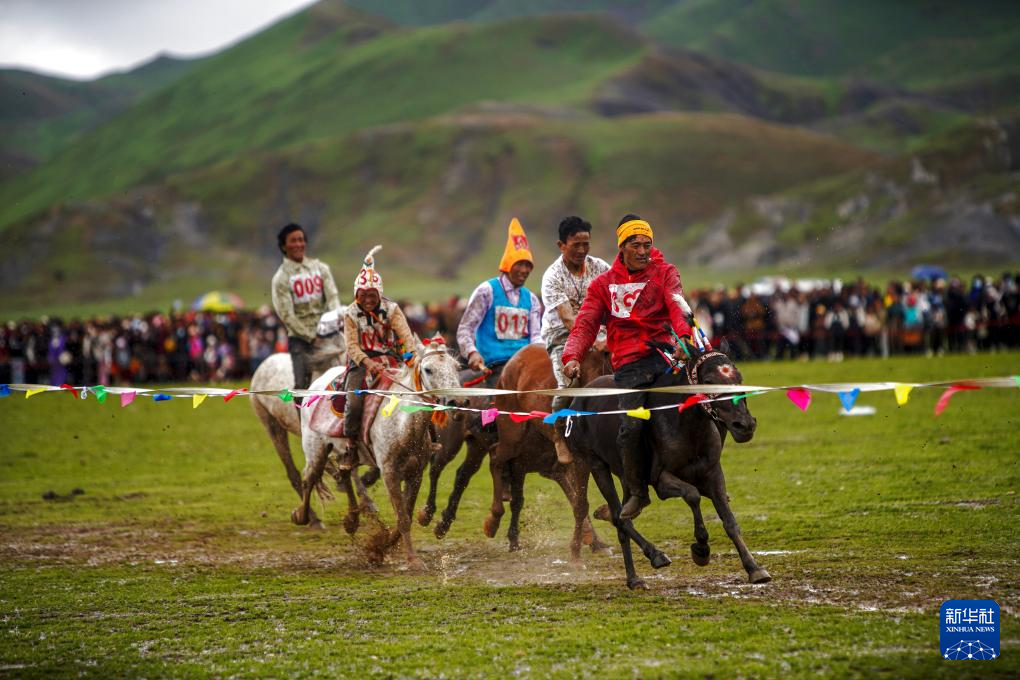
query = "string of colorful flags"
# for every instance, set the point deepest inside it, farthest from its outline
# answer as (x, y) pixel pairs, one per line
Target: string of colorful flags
(410, 401)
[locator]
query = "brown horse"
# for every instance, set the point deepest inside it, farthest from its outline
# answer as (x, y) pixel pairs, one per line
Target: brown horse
(528, 446)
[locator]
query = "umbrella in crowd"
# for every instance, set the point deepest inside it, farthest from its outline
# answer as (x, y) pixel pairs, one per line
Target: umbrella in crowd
(217, 301)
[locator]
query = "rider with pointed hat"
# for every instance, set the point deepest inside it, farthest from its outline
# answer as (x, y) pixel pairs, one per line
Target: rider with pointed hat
(502, 316)
(374, 327)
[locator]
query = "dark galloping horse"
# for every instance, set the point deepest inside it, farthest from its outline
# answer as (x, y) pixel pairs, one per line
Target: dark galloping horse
(686, 450)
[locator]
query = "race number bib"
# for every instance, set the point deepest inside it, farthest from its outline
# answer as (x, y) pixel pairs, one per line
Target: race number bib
(305, 287)
(511, 323)
(622, 297)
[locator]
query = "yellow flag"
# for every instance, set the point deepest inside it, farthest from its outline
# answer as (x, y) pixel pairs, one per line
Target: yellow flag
(902, 393)
(642, 413)
(197, 399)
(387, 410)
(32, 393)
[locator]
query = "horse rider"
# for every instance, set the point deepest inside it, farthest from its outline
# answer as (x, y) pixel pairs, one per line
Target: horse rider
(374, 327)
(635, 299)
(502, 316)
(564, 285)
(302, 290)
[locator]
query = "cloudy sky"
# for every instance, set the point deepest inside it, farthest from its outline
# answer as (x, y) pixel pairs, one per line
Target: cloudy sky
(86, 38)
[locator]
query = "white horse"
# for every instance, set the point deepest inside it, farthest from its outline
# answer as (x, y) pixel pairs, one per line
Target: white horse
(276, 374)
(401, 444)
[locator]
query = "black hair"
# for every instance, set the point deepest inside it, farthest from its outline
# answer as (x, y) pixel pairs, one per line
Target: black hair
(281, 238)
(573, 225)
(627, 218)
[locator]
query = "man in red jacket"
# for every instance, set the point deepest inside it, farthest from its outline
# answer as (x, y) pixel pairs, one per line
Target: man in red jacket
(635, 299)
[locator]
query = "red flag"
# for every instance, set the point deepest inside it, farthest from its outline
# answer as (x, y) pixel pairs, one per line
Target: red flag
(943, 401)
(691, 401)
(521, 417)
(234, 393)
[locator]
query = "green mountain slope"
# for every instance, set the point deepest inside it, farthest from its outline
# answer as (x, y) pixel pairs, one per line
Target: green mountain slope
(910, 42)
(41, 115)
(438, 194)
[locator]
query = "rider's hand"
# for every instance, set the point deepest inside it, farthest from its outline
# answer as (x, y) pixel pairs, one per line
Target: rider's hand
(572, 369)
(374, 367)
(476, 362)
(600, 345)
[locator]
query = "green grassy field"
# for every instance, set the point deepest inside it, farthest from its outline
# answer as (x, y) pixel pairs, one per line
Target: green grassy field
(179, 558)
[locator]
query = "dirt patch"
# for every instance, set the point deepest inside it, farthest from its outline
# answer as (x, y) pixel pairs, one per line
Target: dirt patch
(905, 584)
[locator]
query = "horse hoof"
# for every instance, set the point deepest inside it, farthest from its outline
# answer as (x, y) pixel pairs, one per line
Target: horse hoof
(370, 477)
(637, 584)
(602, 513)
(316, 525)
(351, 522)
(660, 560)
(425, 516)
(514, 546)
(700, 554)
(441, 529)
(299, 517)
(599, 547)
(759, 576)
(489, 526)
(415, 564)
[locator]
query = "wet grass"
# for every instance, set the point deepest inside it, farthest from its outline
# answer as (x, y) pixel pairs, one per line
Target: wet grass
(179, 558)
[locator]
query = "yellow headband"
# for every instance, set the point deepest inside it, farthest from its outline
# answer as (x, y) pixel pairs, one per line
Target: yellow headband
(632, 228)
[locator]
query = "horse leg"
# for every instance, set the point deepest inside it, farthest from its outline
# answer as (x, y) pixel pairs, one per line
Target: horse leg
(279, 436)
(670, 486)
(604, 481)
(343, 481)
(316, 463)
(755, 574)
(436, 466)
(365, 505)
(656, 557)
(406, 512)
(472, 462)
(516, 504)
(491, 523)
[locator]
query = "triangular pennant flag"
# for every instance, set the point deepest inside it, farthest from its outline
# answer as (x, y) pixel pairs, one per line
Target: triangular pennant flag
(1017, 379)
(489, 416)
(943, 401)
(197, 399)
(69, 388)
(850, 398)
(285, 395)
(414, 408)
(902, 393)
(642, 413)
(234, 393)
(311, 400)
(32, 393)
(100, 393)
(691, 401)
(560, 413)
(521, 417)
(737, 398)
(126, 398)
(387, 410)
(161, 397)
(800, 397)
(5, 391)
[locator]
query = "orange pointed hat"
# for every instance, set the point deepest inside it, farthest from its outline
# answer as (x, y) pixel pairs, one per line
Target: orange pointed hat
(517, 247)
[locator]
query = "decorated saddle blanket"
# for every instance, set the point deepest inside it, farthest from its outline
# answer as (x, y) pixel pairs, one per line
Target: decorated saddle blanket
(328, 413)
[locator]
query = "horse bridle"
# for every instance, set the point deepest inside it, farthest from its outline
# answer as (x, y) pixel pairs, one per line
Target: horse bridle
(692, 378)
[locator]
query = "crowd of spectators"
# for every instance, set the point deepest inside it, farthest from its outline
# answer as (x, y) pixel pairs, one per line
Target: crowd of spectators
(776, 320)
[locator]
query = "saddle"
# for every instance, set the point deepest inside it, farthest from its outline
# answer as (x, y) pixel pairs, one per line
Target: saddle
(328, 413)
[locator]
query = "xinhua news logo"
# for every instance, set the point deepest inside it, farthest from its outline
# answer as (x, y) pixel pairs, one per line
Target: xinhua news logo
(970, 630)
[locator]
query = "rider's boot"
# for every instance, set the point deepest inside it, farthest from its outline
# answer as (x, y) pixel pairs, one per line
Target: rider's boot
(633, 482)
(563, 453)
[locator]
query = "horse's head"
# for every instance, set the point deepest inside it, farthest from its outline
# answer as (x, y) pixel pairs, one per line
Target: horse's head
(595, 364)
(436, 369)
(715, 368)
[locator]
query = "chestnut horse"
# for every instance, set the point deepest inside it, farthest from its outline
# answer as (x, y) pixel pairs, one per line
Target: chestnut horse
(528, 446)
